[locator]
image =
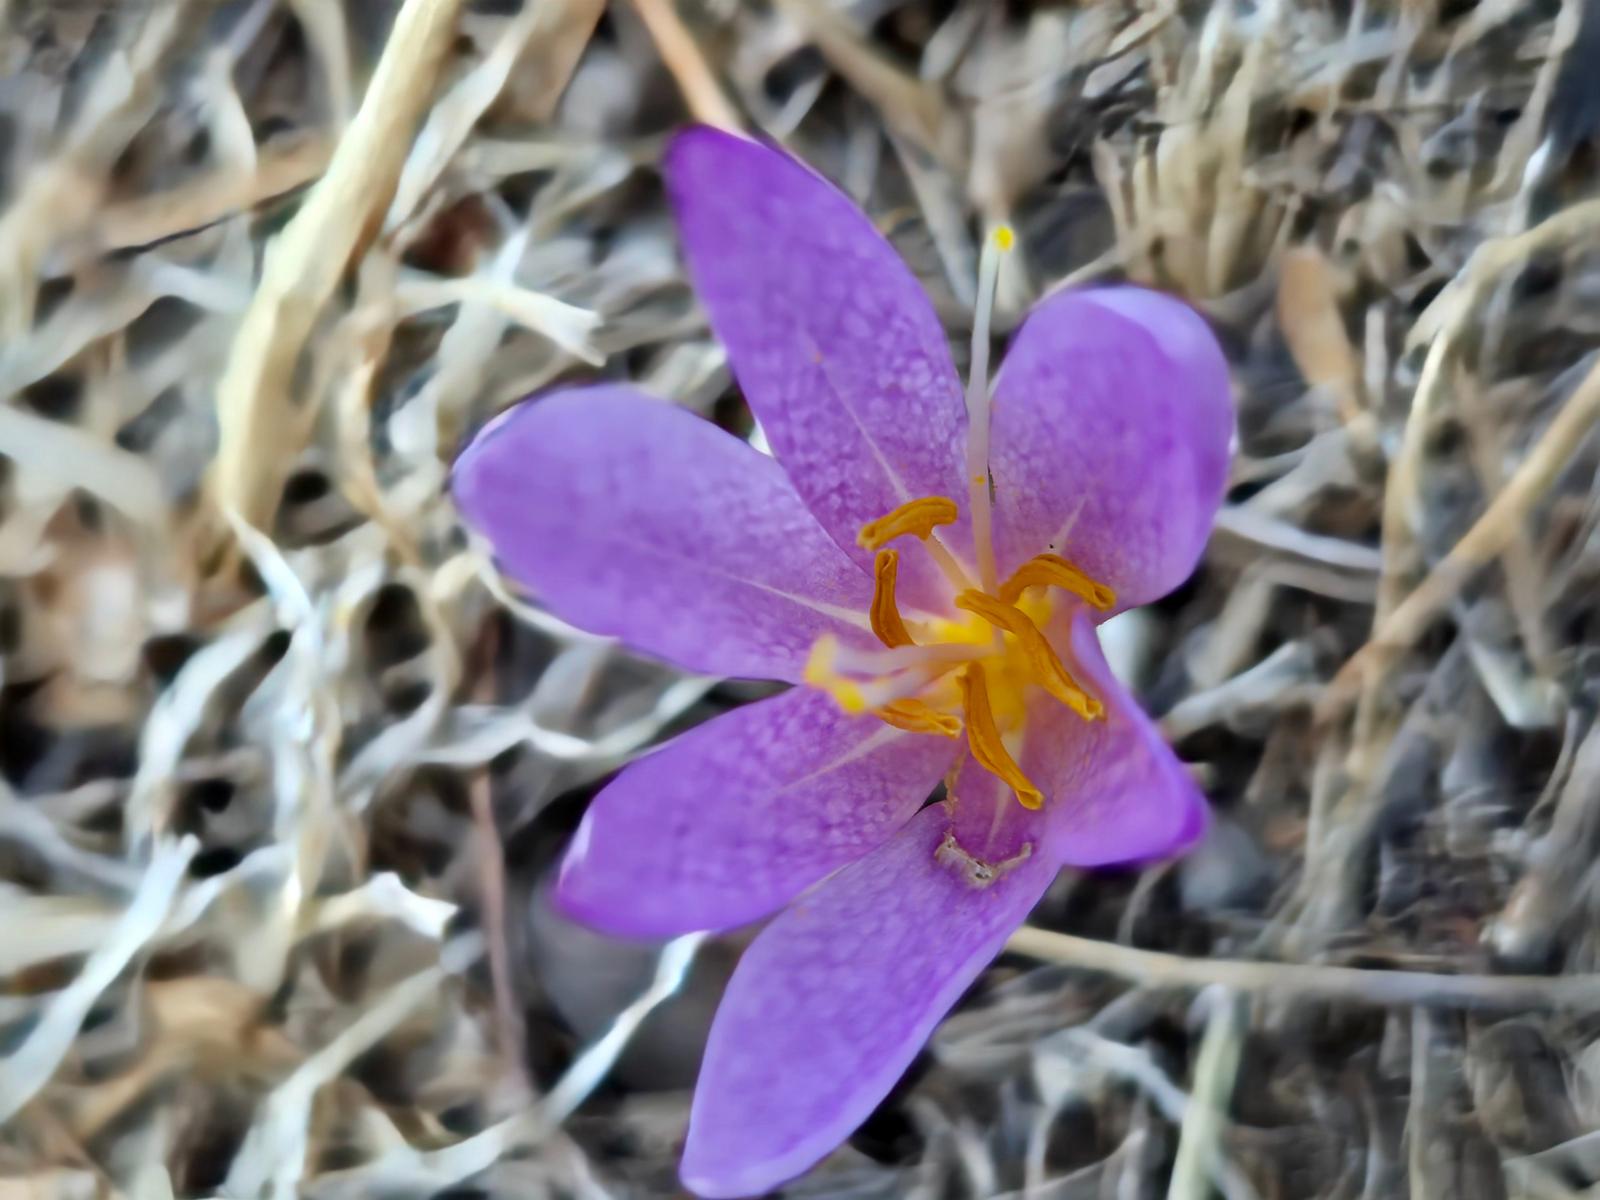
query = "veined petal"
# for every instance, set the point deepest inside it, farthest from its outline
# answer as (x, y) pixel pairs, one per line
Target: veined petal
(630, 517)
(836, 346)
(1112, 418)
(832, 1001)
(732, 820)
(1114, 790)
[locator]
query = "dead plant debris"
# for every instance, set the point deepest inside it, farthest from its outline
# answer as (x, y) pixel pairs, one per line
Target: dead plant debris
(285, 765)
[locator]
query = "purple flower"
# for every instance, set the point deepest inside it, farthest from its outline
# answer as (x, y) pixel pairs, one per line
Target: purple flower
(930, 568)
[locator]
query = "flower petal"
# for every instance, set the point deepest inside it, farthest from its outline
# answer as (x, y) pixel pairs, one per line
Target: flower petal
(1112, 418)
(631, 517)
(732, 820)
(831, 1003)
(834, 342)
(1114, 790)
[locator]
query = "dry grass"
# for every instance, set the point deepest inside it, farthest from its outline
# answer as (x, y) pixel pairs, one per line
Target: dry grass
(284, 766)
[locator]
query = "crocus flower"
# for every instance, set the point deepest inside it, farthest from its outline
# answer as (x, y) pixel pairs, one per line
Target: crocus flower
(929, 568)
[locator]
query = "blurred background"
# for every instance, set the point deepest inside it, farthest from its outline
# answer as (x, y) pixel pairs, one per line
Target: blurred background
(284, 766)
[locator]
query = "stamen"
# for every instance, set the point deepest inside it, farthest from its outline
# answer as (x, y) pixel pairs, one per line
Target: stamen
(822, 672)
(868, 664)
(886, 689)
(1051, 570)
(1000, 240)
(1046, 667)
(885, 613)
(916, 517)
(907, 670)
(983, 739)
(918, 716)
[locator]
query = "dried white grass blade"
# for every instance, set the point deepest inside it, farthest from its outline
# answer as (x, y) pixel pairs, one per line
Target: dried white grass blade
(304, 265)
(40, 928)
(1278, 535)
(456, 113)
(58, 196)
(70, 457)
(30, 1066)
(385, 897)
(595, 1063)
(272, 1159)
(176, 714)
(568, 326)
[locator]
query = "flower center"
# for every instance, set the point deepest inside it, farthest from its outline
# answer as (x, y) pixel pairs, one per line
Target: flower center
(974, 669)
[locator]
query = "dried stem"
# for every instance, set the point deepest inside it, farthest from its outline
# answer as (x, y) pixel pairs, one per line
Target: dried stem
(259, 431)
(1579, 993)
(679, 51)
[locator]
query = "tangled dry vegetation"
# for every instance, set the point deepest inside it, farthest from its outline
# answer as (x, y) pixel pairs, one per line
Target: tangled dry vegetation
(283, 767)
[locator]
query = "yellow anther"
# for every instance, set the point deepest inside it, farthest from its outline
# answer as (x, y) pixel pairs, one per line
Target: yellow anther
(983, 739)
(821, 673)
(1004, 237)
(885, 613)
(1042, 661)
(917, 517)
(918, 716)
(1051, 570)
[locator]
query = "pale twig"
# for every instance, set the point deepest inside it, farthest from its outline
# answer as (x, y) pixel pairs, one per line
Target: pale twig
(1134, 1063)
(459, 110)
(910, 106)
(1491, 533)
(1150, 968)
(202, 202)
(1420, 1110)
(328, 39)
(492, 881)
(304, 264)
(701, 91)
(1442, 327)
(1204, 1118)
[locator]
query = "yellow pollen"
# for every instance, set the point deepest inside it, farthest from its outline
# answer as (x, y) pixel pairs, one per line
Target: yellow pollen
(1004, 237)
(885, 613)
(821, 673)
(1051, 570)
(974, 670)
(1047, 669)
(917, 517)
(983, 739)
(918, 716)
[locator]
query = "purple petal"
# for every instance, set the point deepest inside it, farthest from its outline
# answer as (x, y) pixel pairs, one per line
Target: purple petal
(630, 517)
(1115, 792)
(831, 1003)
(734, 819)
(1111, 424)
(836, 346)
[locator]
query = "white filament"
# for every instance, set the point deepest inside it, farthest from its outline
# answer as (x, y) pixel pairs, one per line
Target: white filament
(999, 240)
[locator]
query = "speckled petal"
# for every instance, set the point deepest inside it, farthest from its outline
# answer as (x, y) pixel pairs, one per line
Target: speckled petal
(832, 1002)
(1114, 790)
(1110, 438)
(732, 820)
(836, 346)
(630, 517)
